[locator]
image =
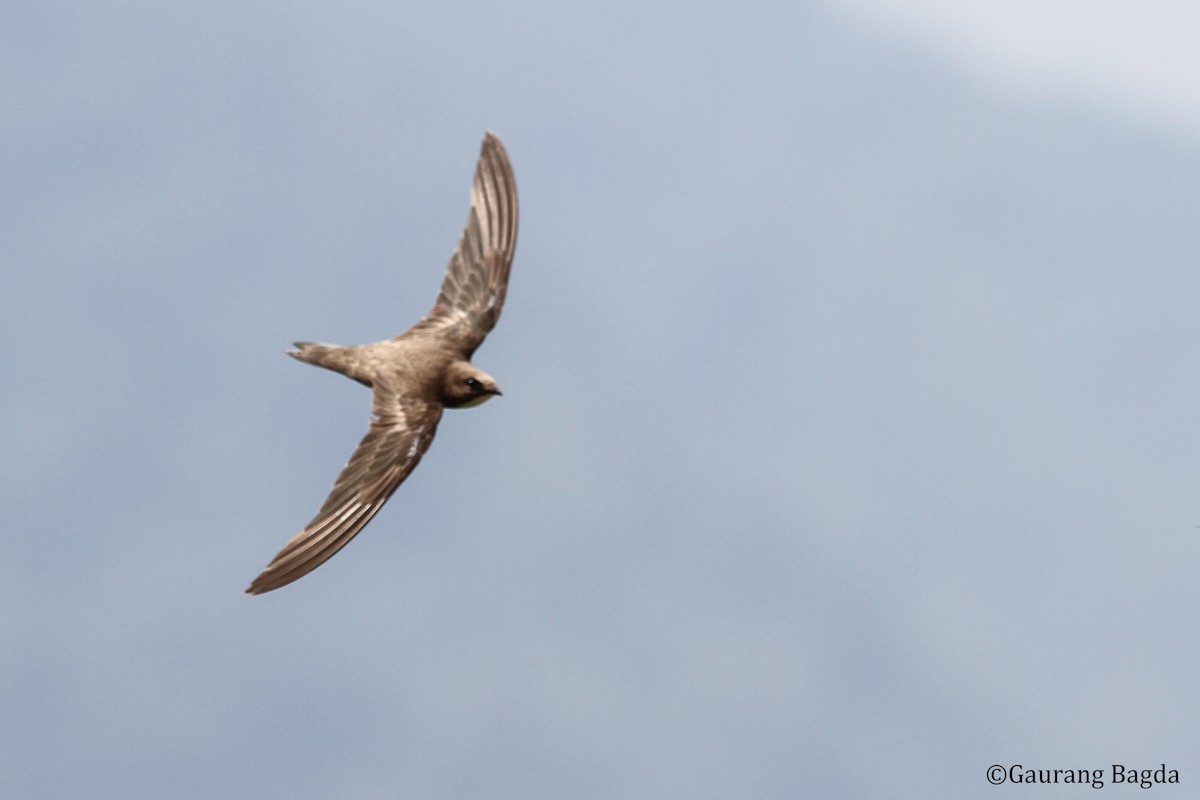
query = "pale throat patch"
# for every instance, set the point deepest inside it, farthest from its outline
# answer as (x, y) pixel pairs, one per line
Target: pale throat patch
(478, 401)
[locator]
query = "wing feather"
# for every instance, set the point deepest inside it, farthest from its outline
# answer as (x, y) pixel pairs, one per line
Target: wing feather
(400, 433)
(476, 280)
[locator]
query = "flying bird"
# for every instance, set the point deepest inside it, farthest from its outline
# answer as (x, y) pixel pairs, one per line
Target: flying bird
(413, 376)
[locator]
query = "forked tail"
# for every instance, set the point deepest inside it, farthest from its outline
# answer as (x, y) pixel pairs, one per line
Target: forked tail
(331, 356)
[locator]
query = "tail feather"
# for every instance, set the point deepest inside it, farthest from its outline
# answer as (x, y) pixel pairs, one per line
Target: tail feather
(332, 357)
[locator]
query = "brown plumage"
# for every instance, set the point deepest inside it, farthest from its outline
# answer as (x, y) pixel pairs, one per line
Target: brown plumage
(414, 375)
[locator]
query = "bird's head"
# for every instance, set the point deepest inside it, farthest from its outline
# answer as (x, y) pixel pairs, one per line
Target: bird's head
(464, 386)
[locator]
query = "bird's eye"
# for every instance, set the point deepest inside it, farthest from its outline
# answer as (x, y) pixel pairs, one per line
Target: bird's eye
(472, 383)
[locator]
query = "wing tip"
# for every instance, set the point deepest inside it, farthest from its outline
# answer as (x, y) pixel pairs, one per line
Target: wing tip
(261, 586)
(492, 144)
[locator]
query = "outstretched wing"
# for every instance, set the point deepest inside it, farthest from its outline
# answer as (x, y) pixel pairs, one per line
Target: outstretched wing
(400, 434)
(473, 290)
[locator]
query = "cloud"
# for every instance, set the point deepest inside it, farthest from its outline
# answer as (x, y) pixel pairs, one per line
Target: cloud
(1139, 59)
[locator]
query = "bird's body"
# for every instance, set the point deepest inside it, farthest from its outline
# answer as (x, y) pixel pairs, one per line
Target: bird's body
(413, 376)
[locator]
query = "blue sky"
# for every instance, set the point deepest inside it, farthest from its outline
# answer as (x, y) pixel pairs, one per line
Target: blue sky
(848, 443)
